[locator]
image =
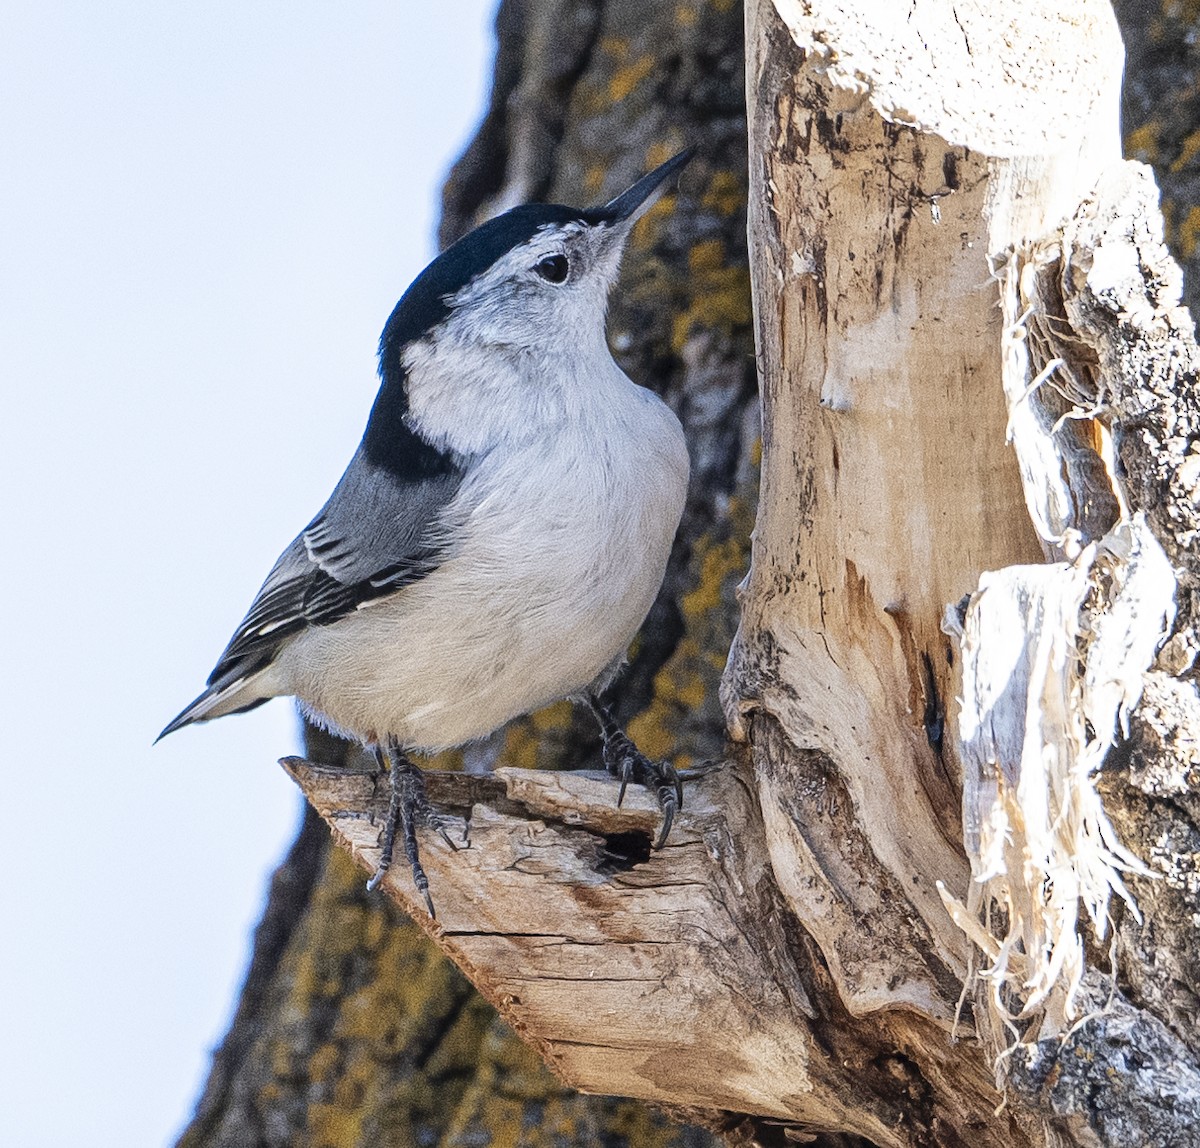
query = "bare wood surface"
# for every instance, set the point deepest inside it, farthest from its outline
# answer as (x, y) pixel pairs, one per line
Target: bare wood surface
(887, 489)
(898, 194)
(677, 977)
(619, 963)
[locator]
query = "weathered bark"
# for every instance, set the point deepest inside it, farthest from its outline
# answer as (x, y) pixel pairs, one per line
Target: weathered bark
(947, 249)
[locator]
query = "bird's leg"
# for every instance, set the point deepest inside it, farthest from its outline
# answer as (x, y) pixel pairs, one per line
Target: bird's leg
(407, 806)
(627, 763)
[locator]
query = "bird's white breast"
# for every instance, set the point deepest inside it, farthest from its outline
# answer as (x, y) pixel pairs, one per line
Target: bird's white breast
(561, 534)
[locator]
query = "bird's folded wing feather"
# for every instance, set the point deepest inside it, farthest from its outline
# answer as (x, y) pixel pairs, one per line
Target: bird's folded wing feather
(378, 533)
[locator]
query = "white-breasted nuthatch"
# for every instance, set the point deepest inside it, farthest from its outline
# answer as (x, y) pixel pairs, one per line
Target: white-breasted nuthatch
(502, 530)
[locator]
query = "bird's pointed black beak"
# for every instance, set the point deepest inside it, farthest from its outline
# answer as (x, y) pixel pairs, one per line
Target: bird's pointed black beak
(632, 204)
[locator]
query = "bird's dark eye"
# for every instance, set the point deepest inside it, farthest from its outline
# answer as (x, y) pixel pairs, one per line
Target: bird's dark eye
(553, 268)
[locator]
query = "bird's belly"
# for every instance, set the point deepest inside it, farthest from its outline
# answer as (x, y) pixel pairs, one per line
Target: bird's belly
(535, 605)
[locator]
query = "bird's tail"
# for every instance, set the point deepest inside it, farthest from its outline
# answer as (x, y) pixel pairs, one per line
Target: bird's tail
(227, 695)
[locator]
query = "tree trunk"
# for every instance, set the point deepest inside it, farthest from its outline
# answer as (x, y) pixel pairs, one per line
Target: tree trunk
(943, 888)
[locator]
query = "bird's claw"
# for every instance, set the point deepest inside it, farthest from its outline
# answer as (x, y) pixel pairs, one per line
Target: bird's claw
(441, 823)
(670, 800)
(626, 762)
(626, 776)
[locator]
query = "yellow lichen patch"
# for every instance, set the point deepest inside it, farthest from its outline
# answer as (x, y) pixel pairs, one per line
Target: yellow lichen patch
(626, 78)
(449, 759)
(280, 1059)
(706, 256)
(375, 931)
(723, 5)
(683, 684)
(643, 1127)
(652, 730)
(553, 718)
(330, 1126)
(717, 563)
(338, 1122)
(658, 153)
(725, 193)
(720, 299)
(685, 700)
(685, 17)
(593, 179)
(500, 1120)
(528, 743)
(518, 1071)
(369, 1015)
(1187, 152)
(495, 1105)
(521, 745)
(1189, 233)
(305, 986)
(615, 46)
(1143, 142)
(323, 1062)
(458, 1050)
(386, 989)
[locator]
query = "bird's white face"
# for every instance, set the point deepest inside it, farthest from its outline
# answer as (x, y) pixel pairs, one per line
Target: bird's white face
(546, 297)
(523, 352)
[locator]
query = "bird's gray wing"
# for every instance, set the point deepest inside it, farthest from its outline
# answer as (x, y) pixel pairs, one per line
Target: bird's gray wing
(379, 532)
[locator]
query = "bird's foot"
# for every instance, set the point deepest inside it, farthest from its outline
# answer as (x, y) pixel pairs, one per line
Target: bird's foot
(441, 823)
(409, 808)
(628, 764)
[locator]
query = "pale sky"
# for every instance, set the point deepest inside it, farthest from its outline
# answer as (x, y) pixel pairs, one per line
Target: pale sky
(207, 212)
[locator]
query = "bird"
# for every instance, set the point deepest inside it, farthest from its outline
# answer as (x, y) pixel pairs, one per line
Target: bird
(499, 534)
